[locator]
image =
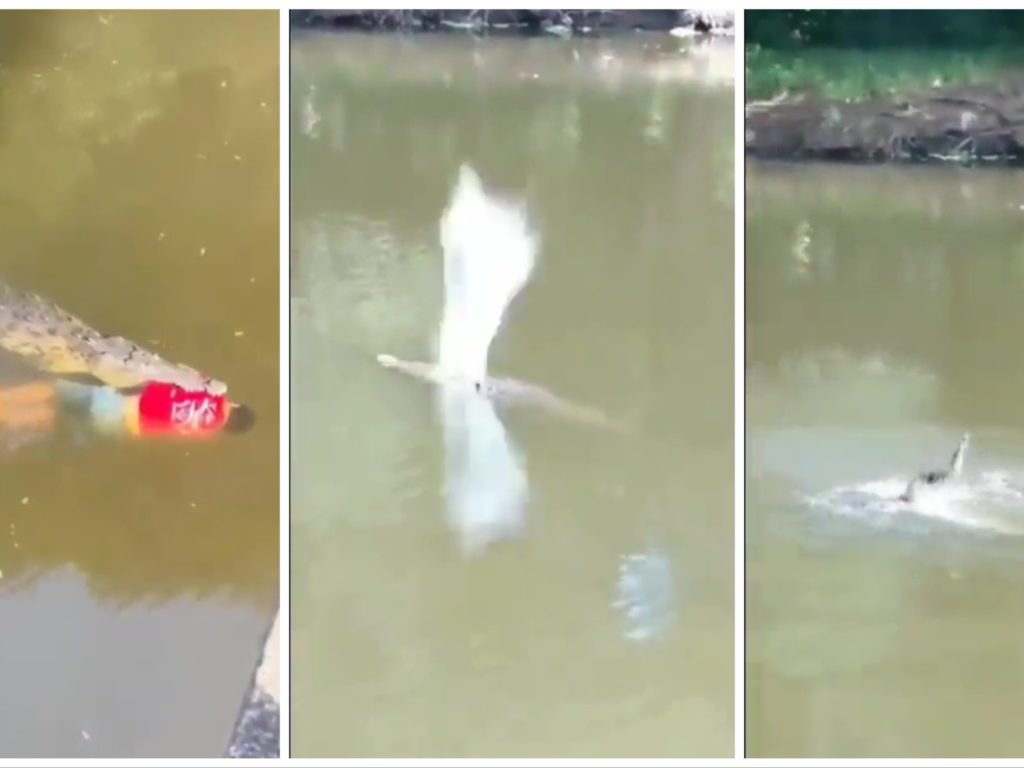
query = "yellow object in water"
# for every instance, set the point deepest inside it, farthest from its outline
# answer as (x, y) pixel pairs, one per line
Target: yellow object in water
(29, 406)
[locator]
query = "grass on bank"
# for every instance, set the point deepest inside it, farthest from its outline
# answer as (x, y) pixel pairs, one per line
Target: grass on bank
(854, 75)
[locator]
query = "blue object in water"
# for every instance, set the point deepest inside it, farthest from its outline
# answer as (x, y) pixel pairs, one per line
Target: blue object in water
(105, 405)
(645, 595)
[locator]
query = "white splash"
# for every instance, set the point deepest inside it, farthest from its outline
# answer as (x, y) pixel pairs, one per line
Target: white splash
(489, 253)
(487, 485)
(991, 502)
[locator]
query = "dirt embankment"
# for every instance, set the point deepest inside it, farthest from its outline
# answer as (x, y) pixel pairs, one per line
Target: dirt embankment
(557, 22)
(964, 124)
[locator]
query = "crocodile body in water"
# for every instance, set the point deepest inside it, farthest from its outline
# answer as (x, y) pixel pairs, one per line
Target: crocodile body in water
(938, 477)
(489, 253)
(57, 342)
(505, 391)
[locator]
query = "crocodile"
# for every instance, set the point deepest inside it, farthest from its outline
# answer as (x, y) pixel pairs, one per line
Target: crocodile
(937, 477)
(57, 342)
(505, 392)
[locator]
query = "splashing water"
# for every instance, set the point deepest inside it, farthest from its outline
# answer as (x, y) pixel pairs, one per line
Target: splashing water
(489, 253)
(487, 486)
(991, 502)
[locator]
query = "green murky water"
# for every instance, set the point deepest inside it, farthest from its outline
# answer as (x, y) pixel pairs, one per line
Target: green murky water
(883, 320)
(139, 190)
(600, 623)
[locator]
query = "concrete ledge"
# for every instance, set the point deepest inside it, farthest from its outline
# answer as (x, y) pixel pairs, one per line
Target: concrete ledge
(257, 731)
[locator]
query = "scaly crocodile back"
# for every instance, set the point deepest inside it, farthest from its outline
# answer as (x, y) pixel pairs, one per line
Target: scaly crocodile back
(58, 342)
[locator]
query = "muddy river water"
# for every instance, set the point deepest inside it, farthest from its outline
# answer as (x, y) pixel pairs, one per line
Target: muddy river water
(599, 620)
(139, 190)
(884, 319)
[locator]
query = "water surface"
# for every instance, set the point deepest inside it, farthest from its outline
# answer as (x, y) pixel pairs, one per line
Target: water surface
(883, 318)
(600, 621)
(138, 189)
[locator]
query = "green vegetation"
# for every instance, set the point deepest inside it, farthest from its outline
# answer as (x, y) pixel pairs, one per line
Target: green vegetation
(938, 30)
(852, 74)
(851, 55)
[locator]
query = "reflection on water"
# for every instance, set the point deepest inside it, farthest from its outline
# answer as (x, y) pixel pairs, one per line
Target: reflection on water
(484, 471)
(881, 305)
(565, 633)
(138, 190)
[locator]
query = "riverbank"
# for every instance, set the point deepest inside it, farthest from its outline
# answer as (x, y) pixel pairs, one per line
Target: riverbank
(520, 22)
(867, 87)
(257, 733)
(963, 124)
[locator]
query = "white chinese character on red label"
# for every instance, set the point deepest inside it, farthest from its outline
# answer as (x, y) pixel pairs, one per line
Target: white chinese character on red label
(193, 414)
